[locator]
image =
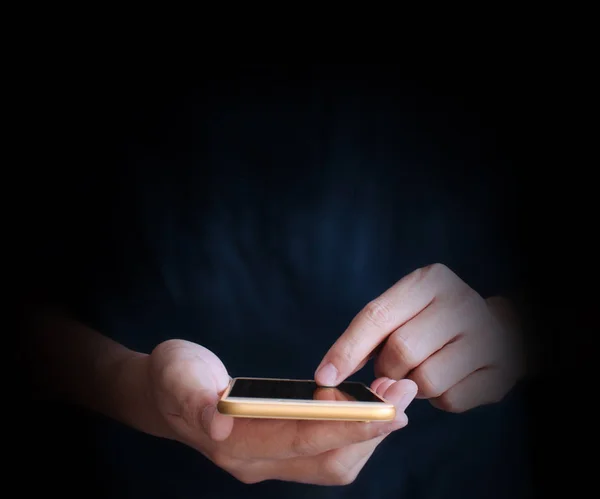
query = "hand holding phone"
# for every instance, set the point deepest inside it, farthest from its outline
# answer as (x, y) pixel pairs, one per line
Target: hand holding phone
(185, 383)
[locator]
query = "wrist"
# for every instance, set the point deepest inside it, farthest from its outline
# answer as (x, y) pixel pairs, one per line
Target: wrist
(135, 401)
(511, 325)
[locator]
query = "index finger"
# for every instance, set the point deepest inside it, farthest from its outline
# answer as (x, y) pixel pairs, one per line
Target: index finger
(381, 317)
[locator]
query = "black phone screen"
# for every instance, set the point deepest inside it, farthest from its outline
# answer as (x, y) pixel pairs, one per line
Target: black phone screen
(300, 390)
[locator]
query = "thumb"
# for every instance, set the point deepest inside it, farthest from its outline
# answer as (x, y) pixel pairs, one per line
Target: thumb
(193, 380)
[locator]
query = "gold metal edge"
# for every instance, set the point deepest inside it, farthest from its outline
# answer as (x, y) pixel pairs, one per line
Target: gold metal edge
(283, 410)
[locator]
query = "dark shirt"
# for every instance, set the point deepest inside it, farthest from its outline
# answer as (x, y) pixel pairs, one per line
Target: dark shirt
(257, 217)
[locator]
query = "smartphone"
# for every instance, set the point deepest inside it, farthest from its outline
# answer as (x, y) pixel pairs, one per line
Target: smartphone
(303, 400)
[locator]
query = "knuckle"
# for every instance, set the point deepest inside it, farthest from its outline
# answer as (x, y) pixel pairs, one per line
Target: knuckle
(449, 404)
(378, 312)
(346, 479)
(168, 345)
(337, 473)
(167, 349)
(496, 398)
(403, 351)
(343, 355)
(436, 271)
(238, 469)
(473, 297)
(427, 386)
(499, 389)
(223, 461)
(246, 478)
(472, 303)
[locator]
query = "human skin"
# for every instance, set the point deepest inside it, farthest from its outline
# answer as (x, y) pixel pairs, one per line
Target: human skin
(432, 335)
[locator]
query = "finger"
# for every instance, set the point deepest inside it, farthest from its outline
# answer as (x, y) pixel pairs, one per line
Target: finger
(485, 386)
(449, 366)
(401, 394)
(204, 403)
(218, 426)
(380, 385)
(342, 466)
(410, 345)
(382, 316)
(281, 439)
(378, 382)
(336, 467)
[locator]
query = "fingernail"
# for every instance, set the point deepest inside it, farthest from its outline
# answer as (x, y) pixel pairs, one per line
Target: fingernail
(327, 375)
(207, 416)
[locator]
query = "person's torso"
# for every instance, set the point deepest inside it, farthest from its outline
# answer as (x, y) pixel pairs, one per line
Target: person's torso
(259, 225)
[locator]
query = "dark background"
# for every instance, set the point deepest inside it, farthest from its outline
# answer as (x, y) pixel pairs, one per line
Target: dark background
(519, 116)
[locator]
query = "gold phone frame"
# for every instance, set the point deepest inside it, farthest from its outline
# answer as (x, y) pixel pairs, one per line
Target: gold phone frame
(321, 410)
